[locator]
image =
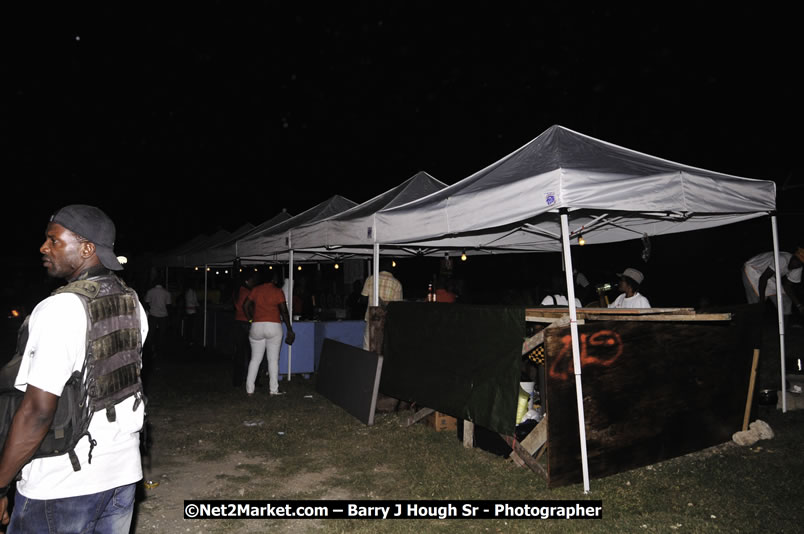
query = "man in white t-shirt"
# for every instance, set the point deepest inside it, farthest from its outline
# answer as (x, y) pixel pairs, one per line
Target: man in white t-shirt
(51, 495)
(557, 299)
(158, 299)
(759, 278)
(630, 280)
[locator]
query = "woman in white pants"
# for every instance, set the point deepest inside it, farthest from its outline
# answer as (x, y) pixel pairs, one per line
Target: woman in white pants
(264, 336)
(265, 307)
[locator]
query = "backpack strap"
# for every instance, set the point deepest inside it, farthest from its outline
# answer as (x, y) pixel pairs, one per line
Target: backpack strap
(87, 288)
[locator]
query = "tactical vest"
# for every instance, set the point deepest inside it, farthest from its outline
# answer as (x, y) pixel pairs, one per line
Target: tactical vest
(111, 369)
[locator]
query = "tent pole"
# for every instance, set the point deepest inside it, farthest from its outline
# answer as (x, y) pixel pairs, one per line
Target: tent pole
(375, 282)
(375, 268)
(576, 350)
(206, 272)
(779, 307)
(290, 306)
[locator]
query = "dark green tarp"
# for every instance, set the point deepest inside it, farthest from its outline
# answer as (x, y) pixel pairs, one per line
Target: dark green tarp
(462, 360)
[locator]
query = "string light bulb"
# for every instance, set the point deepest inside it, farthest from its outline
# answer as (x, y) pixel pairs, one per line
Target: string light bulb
(581, 240)
(463, 255)
(337, 266)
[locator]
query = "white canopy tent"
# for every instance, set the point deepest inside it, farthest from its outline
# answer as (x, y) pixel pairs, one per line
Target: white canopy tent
(354, 227)
(224, 252)
(564, 184)
(266, 241)
(176, 256)
(614, 194)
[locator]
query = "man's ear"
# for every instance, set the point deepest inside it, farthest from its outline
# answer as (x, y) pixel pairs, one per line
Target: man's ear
(87, 249)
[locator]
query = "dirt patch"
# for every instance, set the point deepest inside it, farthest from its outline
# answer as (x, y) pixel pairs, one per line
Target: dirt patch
(209, 441)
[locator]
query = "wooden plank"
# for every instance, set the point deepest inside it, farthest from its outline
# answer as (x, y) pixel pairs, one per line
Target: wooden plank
(376, 326)
(751, 383)
(582, 312)
(514, 457)
(536, 438)
(419, 415)
(538, 338)
(524, 456)
(665, 318)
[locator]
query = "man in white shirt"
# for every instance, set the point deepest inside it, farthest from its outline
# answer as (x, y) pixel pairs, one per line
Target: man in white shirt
(157, 299)
(630, 280)
(759, 278)
(51, 494)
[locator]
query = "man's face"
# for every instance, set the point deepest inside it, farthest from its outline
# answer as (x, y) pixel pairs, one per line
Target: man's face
(61, 252)
(623, 285)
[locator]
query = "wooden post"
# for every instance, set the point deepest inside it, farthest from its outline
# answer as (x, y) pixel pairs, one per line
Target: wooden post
(751, 389)
(468, 434)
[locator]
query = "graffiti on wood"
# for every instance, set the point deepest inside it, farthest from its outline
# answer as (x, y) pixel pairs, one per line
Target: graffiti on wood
(601, 348)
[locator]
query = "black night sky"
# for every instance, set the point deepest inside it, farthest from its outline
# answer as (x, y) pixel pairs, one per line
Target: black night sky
(180, 120)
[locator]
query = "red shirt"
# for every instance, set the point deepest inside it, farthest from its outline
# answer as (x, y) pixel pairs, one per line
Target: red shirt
(442, 295)
(242, 293)
(267, 298)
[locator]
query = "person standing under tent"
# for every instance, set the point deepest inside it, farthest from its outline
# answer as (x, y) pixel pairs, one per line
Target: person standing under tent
(444, 290)
(390, 290)
(157, 300)
(266, 308)
(630, 280)
(759, 278)
(556, 296)
(191, 309)
(242, 346)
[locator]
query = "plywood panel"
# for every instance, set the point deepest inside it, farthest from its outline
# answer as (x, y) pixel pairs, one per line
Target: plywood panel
(651, 391)
(349, 377)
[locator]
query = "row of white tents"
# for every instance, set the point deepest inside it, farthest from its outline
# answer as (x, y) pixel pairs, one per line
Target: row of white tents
(541, 197)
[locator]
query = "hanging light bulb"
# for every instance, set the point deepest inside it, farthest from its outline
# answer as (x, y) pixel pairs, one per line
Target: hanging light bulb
(463, 255)
(581, 240)
(298, 268)
(393, 263)
(337, 266)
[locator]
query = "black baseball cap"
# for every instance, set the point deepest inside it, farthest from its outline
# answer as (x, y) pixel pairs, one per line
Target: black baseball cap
(93, 224)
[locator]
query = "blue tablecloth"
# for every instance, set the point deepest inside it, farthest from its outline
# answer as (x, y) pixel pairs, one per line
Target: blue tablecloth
(310, 335)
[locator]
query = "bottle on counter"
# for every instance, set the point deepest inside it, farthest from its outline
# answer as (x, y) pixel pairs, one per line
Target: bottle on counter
(430, 294)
